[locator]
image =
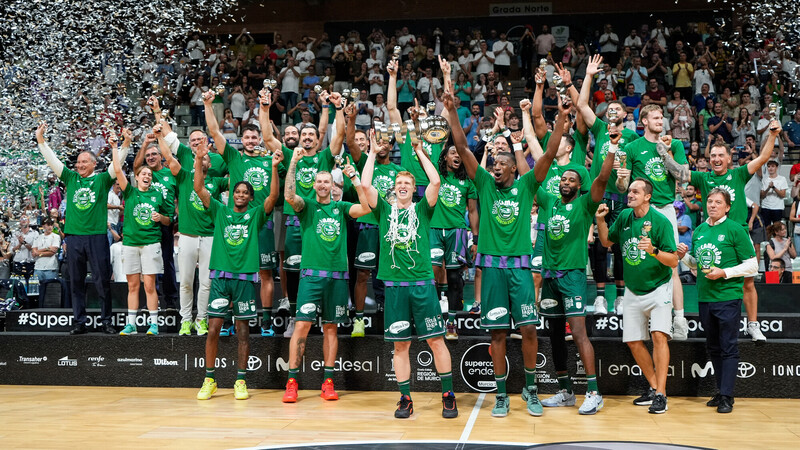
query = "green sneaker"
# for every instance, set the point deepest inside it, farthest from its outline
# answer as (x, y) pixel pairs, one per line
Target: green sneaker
(358, 328)
(501, 403)
(153, 330)
(240, 390)
(531, 396)
(208, 389)
(128, 330)
(201, 326)
(186, 328)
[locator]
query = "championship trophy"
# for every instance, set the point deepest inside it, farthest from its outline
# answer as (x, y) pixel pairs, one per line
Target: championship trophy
(773, 112)
(558, 82)
(269, 85)
(433, 129)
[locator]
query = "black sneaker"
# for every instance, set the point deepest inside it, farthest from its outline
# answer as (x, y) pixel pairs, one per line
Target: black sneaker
(714, 402)
(449, 408)
(659, 405)
(646, 398)
(725, 404)
(405, 407)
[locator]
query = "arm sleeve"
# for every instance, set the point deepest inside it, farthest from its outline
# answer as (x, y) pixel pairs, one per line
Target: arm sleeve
(748, 267)
(172, 141)
(52, 160)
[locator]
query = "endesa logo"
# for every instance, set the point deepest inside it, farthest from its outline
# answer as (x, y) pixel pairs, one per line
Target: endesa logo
(477, 368)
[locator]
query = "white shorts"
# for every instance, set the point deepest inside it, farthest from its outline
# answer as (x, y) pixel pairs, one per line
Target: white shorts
(655, 306)
(145, 259)
(669, 212)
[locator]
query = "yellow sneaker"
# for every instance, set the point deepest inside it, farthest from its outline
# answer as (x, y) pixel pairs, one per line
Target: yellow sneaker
(240, 390)
(208, 389)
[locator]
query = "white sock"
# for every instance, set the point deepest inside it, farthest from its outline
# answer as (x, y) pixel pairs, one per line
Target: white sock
(152, 318)
(132, 317)
(678, 313)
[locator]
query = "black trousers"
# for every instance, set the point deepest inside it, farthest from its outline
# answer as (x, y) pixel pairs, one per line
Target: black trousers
(94, 250)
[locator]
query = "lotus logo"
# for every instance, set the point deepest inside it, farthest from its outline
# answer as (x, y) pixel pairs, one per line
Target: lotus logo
(294, 259)
(399, 326)
(366, 256)
(253, 363)
(436, 252)
(496, 313)
(308, 308)
(219, 303)
(548, 303)
(746, 370)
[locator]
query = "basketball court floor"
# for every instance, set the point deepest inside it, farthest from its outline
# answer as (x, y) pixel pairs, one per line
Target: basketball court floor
(50, 417)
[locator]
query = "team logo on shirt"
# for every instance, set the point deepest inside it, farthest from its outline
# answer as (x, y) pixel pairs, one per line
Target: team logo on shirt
(449, 195)
(256, 176)
(505, 211)
(708, 255)
(305, 176)
(235, 234)
(143, 214)
(633, 256)
(328, 229)
(553, 186)
(605, 147)
(729, 190)
(382, 183)
(84, 198)
(654, 168)
(427, 147)
(557, 227)
(195, 201)
(160, 188)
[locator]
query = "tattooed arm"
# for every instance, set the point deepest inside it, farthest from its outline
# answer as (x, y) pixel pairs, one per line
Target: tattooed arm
(290, 192)
(679, 171)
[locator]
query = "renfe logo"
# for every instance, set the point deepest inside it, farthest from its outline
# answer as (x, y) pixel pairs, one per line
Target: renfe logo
(477, 369)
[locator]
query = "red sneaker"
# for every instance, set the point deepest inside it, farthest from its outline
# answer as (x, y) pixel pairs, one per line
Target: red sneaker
(328, 393)
(290, 396)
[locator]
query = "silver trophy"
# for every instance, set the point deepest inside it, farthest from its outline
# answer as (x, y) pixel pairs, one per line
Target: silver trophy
(543, 63)
(260, 150)
(396, 52)
(646, 227)
(622, 157)
(318, 89)
(558, 82)
(611, 115)
(338, 161)
(773, 112)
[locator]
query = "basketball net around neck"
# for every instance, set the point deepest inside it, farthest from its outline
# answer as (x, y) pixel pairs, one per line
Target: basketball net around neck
(407, 240)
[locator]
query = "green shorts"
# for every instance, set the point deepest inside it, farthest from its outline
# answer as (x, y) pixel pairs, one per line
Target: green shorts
(266, 247)
(450, 246)
(616, 204)
(293, 249)
(507, 294)
(538, 250)
(411, 310)
(240, 293)
(328, 294)
(368, 247)
(564, 296)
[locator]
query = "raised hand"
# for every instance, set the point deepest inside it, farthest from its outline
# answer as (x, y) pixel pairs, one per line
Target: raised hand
(682, 249)
(594, 65)
(208, 98)
(602, 211)
(277, 157)
(40, 132)
(499, 117)
(447, 100)
(525, 105)
(391, 67)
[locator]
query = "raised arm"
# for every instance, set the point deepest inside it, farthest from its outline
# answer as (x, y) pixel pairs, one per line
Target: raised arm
(338, 137)
(116, 163)
(322, 126)
(199, 181)
(290, 193)
(391, 93)
(171, 161)
(539, 124)
(527, 130)
(602, 226)
(766, 150)
(270, 141)
(459, 138)
(678, 171)
(350, 132)
(584, 109)
(599, 184)
(572, 91)
(543, 164)
(274, 183)
(366, 174)
(49, 155)
(211, 122)
(362, 208)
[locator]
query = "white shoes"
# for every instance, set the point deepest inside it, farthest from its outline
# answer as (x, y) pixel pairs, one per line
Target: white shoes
(600, 306)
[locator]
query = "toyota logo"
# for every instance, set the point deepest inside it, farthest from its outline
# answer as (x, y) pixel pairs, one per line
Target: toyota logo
(253, 363)
(746, 370)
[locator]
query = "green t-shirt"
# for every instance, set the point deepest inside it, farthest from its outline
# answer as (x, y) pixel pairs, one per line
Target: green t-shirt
(723, 245)
(552, 183)
(578, 152)
(409, 160)
(165, 183)
(87, 202)
(324, 235)
(257, 170)
(567, 230)
(452, 203)
(696, 216)
(644, 162)
(382, 180)
(409, 259)
(235, 244)
(644, 273)
(306, 173)
(138, 227)
(186, 158)
(734, 182)
(505, 228)
(194, 219)
(601, 144)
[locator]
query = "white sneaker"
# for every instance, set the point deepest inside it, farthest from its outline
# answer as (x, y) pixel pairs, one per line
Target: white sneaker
(600, 306)
(591, 404)
(562, 398)
(444, 304)
(618, 306)
(283, 304)
(755, 333)
(289, 328)
(680, 329)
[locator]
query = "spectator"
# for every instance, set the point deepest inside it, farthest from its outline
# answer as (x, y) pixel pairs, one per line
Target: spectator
(479, 92)
(22, 241)
(527, 51)
(609, 44)
(791, 131)
(376, 83)
(364, 111)
(778, 265)
(471, 126)
(114, 208)
(682, 122)
(483, 61)
(656, 69)
(428, 62)
(656, 94)
(429, 87)
(747, 103)
(633, 41)
(743, 128)
(794, 217)
(773, 191)
(45, 250)
(720, 124)
(406, 91)
(229, 126)
(195, 48)
(381, 111)
(196, 94)
(762, 130)
(304, 57)
(289, 79)
(545, 43)
(632, 100)
(703, 76)
(238, 103)
(779, 246)
(637, 75)
(465, 61)
(503, 50)
(309, 81)
(683, 73)
(463, 88)
(579, 62)
(685, 224)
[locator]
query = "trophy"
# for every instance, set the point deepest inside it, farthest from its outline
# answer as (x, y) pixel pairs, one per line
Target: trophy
(390, 197)
(558, 82)
(646, 227)
(338, 161)
(354, 93)
(318, 89)
(543, 63)
(260, 150)
(773, 112)
(269, 85)
(611, 115)
(412, 132)
(622, 157)
(396, 52)
(381, 132)
(705, 267)
(219, 89)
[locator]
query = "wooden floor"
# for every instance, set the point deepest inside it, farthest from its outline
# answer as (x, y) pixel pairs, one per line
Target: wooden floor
(50, 417)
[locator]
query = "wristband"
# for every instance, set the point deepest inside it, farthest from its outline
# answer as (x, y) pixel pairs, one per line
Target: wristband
(355, 180)
(506, 132)
(517, 147)
(338, 108)
(326, 106)
(568, 85)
